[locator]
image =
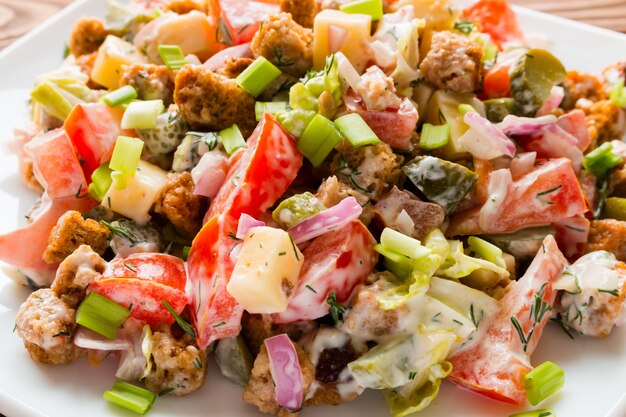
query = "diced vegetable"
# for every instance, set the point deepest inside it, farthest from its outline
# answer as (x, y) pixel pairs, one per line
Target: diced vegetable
(296, 208)
(100, 182)
(122, 95)
(318, 139)
(544, 412)
(272, 107)
(434, 137)
(172, 56)
(497, 82)
(285, 371)
(54, 102)
(168, 132)
(402, 244)
(232, 139)
(356, 131)
(496, 18)
(234, 360)
(101, 315)
(498, 108)
(615, 208)
(126, 155)
(372, 8)
(484, 140)
(114, 52)
(266, 271)
(543, 381)
(239, 20)
(210, 173)
(335, 217)
(522, 244)
(192, 148)
(486, 250)
(131, 397)
(295, 121)
(258, 76)
(532, 78)
(142, 114)
(601, 160)
(618, 93)
(442, 182)
(305, 94)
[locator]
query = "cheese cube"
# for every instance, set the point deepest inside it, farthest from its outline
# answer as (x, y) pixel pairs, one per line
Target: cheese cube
(335, 31)
(140, 193)
(114, 52)
(193, 32)
(266, 272)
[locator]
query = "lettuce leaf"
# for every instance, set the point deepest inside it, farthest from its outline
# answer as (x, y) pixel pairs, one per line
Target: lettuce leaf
(305, 94)
(458, 264)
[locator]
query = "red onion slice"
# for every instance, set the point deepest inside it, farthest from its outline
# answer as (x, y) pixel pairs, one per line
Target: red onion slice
(218, 60)
(285, 370)
(514, 125)
(247, 222)
(210, 173)
(557, 94)
(335, 217)
(523, 163)
(575, 123)
(88, 339)
(337, 37)
(484, 140)
(347, 73)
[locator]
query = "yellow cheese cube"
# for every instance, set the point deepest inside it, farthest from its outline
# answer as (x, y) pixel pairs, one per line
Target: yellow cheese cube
(353, 33)
(193, 32)
(140, 193)
(266, 271)
(114, 52)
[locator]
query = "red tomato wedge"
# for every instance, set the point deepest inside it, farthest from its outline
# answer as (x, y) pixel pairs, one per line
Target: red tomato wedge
(337, 262)
(155, 267)
(145, 297)
(93, 128)
(546, 195)
(575, 123)
(497, 19)
(497, 82)
(240, 18)
(257, 178)
(495, 363)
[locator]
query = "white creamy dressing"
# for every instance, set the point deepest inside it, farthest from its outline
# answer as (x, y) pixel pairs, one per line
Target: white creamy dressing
(498, 187)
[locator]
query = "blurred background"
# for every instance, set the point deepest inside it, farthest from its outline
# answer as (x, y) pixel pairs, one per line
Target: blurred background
(19, 16)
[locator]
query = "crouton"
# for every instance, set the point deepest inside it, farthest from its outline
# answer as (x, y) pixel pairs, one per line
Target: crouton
(179, 204)
(285, 44)
(617, 183)
(179, 366)
(76, 273)
(46, 326)
(426, 217)
(331, 192)
(185, 6)
(213, 102)
(152, 82)
(234, 66)
(453, 63)
(87, 35)
(605, 120)
(302, 11)
(370, 169)
(608, 235)
(583, 85)
(72, 231)
(260, 390)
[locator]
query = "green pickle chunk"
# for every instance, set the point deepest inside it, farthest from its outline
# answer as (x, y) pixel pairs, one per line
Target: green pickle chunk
(234, 360)
(498, 108)
(442, 182)
(294, 209)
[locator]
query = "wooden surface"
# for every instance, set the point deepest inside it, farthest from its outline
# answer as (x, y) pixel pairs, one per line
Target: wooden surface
(19, 16)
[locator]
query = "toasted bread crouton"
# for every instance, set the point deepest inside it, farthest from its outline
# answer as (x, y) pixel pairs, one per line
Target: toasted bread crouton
(72, 231)
(302, 11)
(152, 82)
(87, 35)
(608, 235)
(180, 205)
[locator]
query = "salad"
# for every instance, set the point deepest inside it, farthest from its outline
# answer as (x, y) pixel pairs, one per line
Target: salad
(323, 197)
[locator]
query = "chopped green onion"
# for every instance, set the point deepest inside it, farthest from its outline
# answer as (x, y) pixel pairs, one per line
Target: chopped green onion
(318, 139)
(400, 265)
(618, 93)
(122, 95)
(272, 107)
(353, 127)
(373, 8)
(544, 412)
(403, 244)
(131, 397)
(601, 160)
(187, 328)
(486, 250)
(172, 56)
(258, 76)
(434, 137)
(52, 100)
(126, 155)
(100, 182)
(543, 381)
(615, 208)
(142, 114)
(101, 315)
(232, 139)
(466, 108)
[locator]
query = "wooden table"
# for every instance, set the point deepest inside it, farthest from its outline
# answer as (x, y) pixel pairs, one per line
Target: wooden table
(19, 16)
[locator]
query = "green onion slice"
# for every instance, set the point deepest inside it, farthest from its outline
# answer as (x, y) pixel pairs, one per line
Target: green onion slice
(272, 107)
(122, 95)
(232, 139)
(543, 381)
(258, 76)
(126, 154)
(131, 397)
(434, 137)
(101, 315)
(372, 8)
(142, 114)
(172, 56)
(601, 160)
(100, 182)
(356, 131)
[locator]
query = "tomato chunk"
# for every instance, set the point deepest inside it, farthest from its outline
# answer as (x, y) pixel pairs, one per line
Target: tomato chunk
(497, 82)
(155, 267)
(336, 262)
(496, 18)
(240, 18)
(494, 365)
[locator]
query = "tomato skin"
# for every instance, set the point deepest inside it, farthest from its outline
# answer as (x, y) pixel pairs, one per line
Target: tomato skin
(93, 129)
(495, 365)
(145, 297)
(259, 175)
(154, 267)
(497, 19)
(530, 201)
(497, 82)
(241, 18)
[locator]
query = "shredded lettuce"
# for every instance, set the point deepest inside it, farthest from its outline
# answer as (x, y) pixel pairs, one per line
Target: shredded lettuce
(305, 94)
(458, 264)
(407, 63)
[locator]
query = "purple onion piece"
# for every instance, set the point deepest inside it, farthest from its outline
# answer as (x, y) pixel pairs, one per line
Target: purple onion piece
(87, 339)
(286, 373)
(522, 126)
(246, 223)
(335, 217)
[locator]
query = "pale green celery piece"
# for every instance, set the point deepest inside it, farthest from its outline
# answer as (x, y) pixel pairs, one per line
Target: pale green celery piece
(51, 98)
(400, 265)
(304, 95)
(296, 208)
(486, 250)
(295, 121)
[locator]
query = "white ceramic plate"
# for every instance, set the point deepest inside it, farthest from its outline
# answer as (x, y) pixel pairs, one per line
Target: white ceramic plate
(595, 369)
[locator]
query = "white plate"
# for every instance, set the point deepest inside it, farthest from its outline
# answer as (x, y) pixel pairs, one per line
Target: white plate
(594, 369)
